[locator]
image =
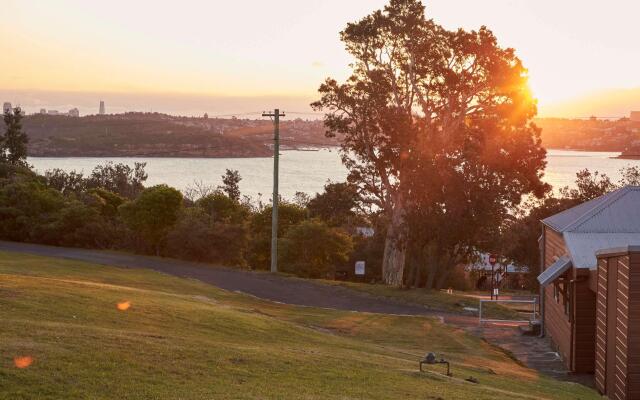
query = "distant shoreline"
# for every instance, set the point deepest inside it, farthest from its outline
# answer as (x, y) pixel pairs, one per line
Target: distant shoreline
(330, 148)
(628, 157)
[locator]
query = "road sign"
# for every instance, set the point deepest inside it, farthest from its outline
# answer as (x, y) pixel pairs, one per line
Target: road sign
(359, 267)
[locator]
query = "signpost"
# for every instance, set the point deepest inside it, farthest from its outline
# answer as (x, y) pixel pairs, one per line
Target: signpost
(359, 268)
(493, 259)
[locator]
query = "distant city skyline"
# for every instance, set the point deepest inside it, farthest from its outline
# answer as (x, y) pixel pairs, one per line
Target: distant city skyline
(75, 53)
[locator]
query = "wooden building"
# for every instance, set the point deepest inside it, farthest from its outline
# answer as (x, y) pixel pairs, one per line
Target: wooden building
(572, 284)
(617, 369)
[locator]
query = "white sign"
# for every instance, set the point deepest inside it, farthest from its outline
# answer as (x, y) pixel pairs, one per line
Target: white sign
(359, 267)
(496, 292)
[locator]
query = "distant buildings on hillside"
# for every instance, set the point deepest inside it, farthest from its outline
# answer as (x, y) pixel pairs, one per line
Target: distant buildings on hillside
(74, 112)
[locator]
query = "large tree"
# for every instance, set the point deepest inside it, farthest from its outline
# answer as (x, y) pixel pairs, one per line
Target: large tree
(425, 108)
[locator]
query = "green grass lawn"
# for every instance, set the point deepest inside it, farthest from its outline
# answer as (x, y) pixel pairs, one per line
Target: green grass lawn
(182, 339)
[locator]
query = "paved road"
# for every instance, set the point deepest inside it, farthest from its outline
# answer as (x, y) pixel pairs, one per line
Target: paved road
(263, 285)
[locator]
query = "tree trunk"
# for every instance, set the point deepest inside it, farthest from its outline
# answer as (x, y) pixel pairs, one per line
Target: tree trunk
(444, 274)
(431, 275)
(395, 249)
(417, 276)
(432, 264)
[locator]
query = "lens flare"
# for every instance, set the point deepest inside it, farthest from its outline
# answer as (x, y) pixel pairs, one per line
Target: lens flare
(124, 305)
(22, 362)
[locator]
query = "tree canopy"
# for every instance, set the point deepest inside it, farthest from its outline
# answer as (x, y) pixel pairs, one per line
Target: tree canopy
(153, 213)
(434, 121)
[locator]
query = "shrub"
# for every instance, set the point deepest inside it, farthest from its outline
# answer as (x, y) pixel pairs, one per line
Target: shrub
(313, 249)
(197, 237)
(153, 214)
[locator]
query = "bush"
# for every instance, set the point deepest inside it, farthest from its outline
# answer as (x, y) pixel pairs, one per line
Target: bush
(153, 214)
(312, 249)
(198, 237)
(260, 247)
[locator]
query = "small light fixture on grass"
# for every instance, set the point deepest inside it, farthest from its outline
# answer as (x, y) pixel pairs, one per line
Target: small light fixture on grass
(431, 359)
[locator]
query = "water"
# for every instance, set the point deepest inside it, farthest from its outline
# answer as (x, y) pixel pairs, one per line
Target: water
(304, 171)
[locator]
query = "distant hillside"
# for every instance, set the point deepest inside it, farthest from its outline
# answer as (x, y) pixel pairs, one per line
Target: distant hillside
(160, 135)
(595, 135)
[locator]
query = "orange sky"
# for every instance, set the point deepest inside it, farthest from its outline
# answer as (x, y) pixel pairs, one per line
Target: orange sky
(188, 56)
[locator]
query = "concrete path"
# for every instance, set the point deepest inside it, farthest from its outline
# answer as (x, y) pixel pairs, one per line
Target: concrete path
(534, 352)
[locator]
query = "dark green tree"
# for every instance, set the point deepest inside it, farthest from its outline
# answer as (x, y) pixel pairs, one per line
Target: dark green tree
(13, 145)
(231, 184)
(336, 205)
(153, 214)
(119, 178)
(312, 249)
(260, 227)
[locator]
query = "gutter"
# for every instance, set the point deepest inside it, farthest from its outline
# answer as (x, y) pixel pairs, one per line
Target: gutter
(542, 258)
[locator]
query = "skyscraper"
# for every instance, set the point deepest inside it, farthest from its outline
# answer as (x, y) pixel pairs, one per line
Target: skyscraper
(101, 112)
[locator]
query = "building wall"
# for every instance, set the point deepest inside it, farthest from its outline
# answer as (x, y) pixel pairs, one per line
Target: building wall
(557, 323)
(584, 323)
(618, 326)
(633, 366)
(601, 326)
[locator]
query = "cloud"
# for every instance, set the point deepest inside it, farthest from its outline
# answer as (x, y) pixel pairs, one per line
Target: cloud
(317, 64)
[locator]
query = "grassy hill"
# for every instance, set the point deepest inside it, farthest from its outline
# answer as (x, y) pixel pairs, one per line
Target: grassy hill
(182, 339)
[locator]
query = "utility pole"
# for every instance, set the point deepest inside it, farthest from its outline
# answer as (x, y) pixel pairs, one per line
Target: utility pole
(276, 160)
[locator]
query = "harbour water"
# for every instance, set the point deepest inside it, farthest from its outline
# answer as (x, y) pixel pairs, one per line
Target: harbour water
(305, 171)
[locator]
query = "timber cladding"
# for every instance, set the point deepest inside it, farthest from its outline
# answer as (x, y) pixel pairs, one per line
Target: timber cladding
(617, 364)
(557, 322)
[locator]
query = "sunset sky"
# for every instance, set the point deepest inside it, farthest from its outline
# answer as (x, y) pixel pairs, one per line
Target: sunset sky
(242, 56)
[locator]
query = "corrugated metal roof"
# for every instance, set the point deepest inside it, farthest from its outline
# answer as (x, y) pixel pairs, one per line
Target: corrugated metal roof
(618, 211)
(612, 220)
(583, 246)
(565, 218)
(554, 271)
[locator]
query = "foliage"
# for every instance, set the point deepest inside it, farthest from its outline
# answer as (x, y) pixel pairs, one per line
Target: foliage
(336, 205)
(33, 212)
(65, 182)
(199, 237)
(433, 121)
(260, 226)
(231, 184)
(153, 213)
(13, 144)
(119, 178)
(312, 249)
(222, 208)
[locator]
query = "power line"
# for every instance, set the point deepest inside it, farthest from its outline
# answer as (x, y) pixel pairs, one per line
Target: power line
(256, 113)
